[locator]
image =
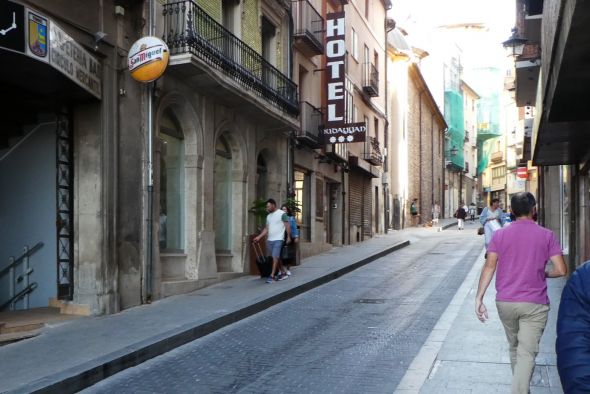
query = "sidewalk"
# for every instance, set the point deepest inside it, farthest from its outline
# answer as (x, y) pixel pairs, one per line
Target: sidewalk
(462, 355)
(68, 357)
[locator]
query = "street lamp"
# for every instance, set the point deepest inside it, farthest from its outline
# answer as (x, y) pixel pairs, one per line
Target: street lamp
(453, 151)
(514, 45)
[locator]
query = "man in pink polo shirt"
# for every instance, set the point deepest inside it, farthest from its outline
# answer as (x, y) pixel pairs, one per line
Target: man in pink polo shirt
(520, 253)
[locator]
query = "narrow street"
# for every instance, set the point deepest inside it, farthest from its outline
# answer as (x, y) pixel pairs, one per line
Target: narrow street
(355, 334)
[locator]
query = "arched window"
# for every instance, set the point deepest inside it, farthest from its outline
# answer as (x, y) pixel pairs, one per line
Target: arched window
(223, 196)
(171, 234)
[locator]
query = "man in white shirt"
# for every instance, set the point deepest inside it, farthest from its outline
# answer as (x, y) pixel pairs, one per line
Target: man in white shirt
(277, 222)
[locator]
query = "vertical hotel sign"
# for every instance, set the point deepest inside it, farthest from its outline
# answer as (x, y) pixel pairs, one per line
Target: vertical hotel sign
(336, 130)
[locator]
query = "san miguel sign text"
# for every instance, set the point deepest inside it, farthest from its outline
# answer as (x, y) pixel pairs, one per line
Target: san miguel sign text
(336, 130)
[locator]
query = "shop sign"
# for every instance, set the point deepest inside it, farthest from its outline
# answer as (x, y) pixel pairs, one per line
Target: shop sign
(12, 26)
(76, 63)
(37, 36)
(148, 59)
(336, 130)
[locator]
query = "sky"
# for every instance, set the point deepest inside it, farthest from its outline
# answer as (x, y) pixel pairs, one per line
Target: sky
(421, 18)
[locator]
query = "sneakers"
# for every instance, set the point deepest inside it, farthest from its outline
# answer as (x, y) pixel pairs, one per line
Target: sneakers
(282, 276)
(288, 273)
(269, 279)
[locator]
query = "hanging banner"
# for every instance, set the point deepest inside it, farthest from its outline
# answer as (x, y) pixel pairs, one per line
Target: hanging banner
(336, 130)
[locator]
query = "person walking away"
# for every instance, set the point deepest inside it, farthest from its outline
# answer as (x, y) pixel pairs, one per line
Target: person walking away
(491, 220)
(518, 255)
(472, 212)
(435, 213)
(461, 214)
(414, 212)
(277, 222)
(287, 263)
(572, 345)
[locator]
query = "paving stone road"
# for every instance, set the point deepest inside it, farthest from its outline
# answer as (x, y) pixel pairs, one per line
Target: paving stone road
(356, 334)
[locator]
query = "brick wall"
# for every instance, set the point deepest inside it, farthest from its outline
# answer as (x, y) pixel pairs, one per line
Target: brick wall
(211, 7)
(251, 25)
(424, 153)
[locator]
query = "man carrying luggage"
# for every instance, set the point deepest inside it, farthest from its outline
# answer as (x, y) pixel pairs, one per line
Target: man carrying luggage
(277, 222)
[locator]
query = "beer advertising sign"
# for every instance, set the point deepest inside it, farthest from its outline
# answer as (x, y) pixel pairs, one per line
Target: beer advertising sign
(148, 59)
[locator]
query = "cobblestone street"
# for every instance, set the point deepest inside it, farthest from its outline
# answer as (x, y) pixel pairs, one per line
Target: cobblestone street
(356, 334)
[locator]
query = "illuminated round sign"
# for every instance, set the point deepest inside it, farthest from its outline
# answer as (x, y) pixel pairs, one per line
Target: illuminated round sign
(148, 58)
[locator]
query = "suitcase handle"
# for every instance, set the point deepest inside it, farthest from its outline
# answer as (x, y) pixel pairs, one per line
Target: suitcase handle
(257, 249)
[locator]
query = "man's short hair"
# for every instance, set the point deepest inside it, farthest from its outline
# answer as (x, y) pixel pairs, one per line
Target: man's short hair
(272, 201)
(522, 204)
(495, 200)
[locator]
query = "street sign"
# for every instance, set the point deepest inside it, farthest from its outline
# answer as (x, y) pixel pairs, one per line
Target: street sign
(12, 26)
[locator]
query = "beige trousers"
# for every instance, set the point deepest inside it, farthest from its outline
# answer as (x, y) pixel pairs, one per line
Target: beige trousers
(524, 323)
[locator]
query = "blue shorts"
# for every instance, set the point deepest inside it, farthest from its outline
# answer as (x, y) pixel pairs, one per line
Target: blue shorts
(273, 248)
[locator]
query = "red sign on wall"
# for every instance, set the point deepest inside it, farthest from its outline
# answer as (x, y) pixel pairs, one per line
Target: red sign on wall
(522, 172)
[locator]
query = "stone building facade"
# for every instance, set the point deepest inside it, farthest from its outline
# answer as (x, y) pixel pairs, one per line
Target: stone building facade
(417, 137)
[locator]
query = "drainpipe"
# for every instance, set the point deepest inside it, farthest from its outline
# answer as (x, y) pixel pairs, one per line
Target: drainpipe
(432, 160)
(150, 170)
(420, 154)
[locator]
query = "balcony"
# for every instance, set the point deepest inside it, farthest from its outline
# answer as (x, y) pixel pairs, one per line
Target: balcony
(372, 152)
(309, 28)
(311, 119)
(497, 157)
(188, 29)
(370, 80)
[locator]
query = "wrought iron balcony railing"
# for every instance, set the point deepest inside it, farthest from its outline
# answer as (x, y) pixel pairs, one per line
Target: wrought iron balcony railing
(370, 80)
(309, 27)
(189, 29)
(372, 152)
(311, 120)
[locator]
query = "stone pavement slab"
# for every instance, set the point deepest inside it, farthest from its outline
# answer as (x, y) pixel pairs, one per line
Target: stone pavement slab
(69, 356)
(462, 355)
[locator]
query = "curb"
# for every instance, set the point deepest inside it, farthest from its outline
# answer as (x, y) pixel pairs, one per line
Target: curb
(448, 225)
(82, 376)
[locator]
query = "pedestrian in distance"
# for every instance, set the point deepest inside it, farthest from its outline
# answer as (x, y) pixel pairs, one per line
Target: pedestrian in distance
(414, 212)
(491, 220)
(518, 255)
(287, 263)
(572, 345)
(435, 213)
(472, 211)
(461, 214)
(277, 223)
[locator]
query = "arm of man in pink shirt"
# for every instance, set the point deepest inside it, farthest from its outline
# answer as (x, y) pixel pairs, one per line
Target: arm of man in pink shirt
(487, 273)
(558, 269)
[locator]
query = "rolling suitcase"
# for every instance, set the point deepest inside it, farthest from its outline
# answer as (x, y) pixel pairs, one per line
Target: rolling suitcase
(264, 263)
